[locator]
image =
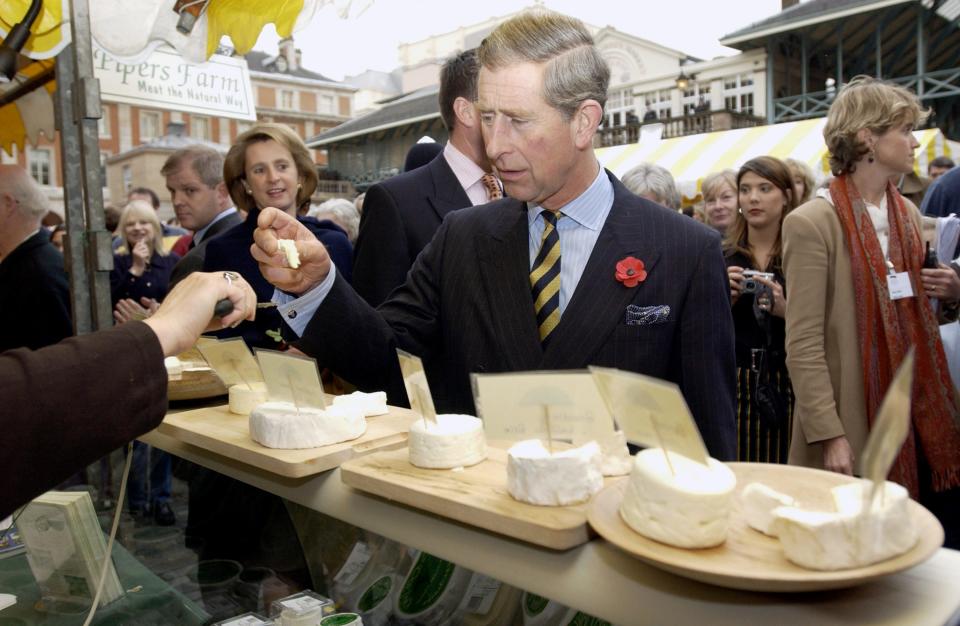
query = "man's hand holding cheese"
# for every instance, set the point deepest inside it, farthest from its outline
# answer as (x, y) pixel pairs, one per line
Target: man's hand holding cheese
(274, 225)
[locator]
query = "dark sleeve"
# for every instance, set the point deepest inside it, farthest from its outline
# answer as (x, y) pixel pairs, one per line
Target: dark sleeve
(117, 275)
(359, 342)
(707, 353)
(380, 259)
(935, 202)
(191, 262)
(49, 306)
(66, 405)
(340, 251)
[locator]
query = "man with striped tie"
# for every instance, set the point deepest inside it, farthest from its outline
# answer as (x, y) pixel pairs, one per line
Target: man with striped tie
(571, 270)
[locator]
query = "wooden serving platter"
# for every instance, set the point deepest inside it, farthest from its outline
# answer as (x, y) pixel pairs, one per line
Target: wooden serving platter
(218, 430)
(475, 495)
(197, 381)
(749, 559)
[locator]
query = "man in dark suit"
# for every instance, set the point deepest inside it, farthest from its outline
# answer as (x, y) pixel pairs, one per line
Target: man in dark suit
(200, 199)
(572, 270)
(400, 215)
(34, 294)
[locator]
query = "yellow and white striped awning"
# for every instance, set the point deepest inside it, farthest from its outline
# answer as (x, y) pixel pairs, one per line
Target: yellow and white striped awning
(691, 158)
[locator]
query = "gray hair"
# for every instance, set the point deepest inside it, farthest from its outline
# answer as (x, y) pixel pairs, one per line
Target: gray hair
(648, 179)
(205, 162)
(575, 71)
(15, 180)
(341, 212)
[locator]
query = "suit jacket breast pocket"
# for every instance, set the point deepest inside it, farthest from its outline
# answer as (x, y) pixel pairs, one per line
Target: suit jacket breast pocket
(643, 349)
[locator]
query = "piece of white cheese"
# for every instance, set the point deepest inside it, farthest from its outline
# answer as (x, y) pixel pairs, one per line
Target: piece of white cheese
(454, 441)
(282, 425)
(372, 404)
(174, 366)
(567, 477)
(243, 399)
(852, 535)
(289, 249)
(759, 502)
(688, 507)
(615, 456)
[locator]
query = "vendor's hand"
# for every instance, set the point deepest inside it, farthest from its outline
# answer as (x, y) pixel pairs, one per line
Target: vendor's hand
(274, 224)
(941, 282)
(776, 302)
(187, 311)
(735, 275)
(838, 455)
(141, 257)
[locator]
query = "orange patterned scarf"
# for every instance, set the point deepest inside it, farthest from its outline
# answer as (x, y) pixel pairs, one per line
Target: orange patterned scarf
(887, 328)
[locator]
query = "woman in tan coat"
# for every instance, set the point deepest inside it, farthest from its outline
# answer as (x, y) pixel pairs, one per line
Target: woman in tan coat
(847, 330)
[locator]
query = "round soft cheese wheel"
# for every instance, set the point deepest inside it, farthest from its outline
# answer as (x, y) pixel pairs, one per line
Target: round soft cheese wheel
(244, 399)
(371, 404)
(687, 508)
(538, 477)
(454, 441)
(282, 425)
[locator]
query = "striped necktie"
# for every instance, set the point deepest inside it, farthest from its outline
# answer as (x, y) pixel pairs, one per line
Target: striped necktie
(545, 277)
(492, 185)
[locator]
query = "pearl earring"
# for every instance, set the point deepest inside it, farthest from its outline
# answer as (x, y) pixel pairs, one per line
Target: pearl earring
(871, 155)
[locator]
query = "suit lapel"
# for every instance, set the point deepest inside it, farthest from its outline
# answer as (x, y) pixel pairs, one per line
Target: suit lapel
(504, 270)
(599, 302)
(447, 194)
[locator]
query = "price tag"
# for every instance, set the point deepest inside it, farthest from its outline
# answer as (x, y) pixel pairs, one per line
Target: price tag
(651, 412)
(415, 382)
(480, 595)
(891, 426)
(232, 361)
(304, 603)
(899, 285)
(291, 378)
(514, 406)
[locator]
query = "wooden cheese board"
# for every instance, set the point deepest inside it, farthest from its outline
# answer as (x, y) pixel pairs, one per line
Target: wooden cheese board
(197, 381)
(218, 430)
(475, 495)
(749, 559)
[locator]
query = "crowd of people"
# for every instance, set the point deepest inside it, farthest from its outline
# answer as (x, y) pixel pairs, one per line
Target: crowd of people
(782, 317)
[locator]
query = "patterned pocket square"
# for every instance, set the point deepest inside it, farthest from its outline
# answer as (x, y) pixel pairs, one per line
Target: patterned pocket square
(647, 315)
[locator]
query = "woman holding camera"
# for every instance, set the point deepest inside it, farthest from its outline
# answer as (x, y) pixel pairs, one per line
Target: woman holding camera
(753, 254)
(853, 257)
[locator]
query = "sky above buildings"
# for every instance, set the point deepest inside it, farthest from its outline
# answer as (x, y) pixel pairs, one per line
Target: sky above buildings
(369, 37)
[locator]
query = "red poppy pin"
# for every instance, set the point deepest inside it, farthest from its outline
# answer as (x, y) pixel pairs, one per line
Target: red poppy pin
(630, 271)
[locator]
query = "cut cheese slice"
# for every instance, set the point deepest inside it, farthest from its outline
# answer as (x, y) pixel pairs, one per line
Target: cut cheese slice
(371, 404)
(174, 366)
(688, 507)
(616, 459)
(289, 249)
(852, 536)
(759, 502)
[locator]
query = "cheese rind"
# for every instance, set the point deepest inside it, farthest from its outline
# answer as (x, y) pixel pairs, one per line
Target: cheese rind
(615, 456)
(173, 365)
(567, 477)
(851, 536)
(281, 425)
(289, 249)
(454, 441)
(687, 509)
(371, 404)
(244, 399)
(759, 502)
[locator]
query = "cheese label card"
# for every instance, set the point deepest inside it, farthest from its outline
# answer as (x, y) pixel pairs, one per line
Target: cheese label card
(415, 382)
(651, 412)
(515, 406)
(291, 378)
(891, 426)
(232, 361)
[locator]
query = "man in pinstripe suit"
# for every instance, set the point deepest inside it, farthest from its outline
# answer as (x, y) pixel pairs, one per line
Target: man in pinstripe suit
(467, 304)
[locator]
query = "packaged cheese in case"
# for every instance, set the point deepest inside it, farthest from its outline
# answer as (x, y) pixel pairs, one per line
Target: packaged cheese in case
(681, 503)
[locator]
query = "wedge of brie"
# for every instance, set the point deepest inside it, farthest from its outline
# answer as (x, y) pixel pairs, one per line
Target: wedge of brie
(759, 502)
(282, 425)
(289, 249)
(684, 503)
(371, 404)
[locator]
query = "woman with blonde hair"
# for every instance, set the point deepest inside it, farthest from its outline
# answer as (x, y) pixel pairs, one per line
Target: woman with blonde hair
(853, 258)
(803, 181)
(719, 199)
(142, 270)
(268, 166)
(753, 244)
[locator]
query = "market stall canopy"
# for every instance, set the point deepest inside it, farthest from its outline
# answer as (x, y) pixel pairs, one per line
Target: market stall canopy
(693, 157)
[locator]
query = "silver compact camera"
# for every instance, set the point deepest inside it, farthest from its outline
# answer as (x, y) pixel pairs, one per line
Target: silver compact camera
(751, 284)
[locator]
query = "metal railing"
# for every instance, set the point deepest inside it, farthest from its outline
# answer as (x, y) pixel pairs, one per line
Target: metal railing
(704, 122)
